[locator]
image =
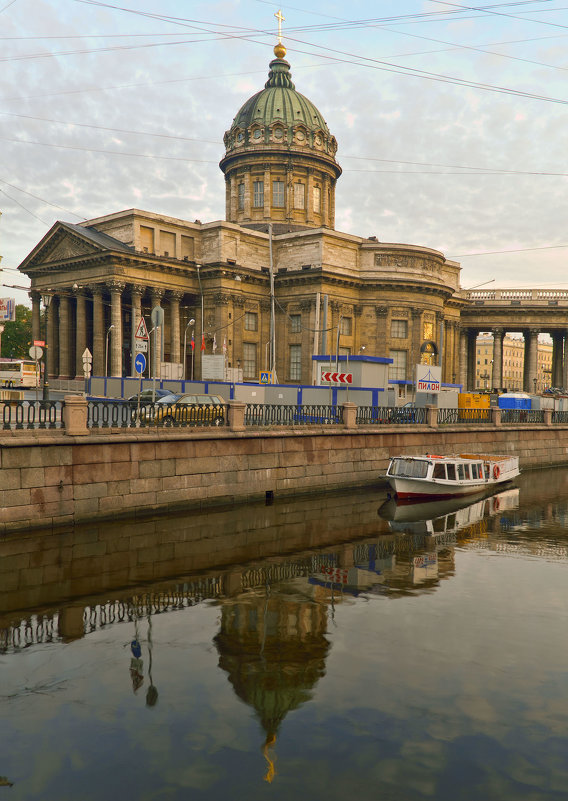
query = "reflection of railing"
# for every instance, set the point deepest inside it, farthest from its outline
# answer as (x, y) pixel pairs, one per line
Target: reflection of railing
(31, 631)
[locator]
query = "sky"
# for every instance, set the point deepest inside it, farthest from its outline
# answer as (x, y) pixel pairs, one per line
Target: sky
(450, 119)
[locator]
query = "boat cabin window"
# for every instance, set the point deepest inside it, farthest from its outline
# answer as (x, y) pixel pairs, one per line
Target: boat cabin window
(411, 468)
(439, 470)
(461, 472)
(486, 470)
(466, 471)
(476, 471)
(451, 471)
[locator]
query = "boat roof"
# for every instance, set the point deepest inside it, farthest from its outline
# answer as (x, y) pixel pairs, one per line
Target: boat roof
(456, 457)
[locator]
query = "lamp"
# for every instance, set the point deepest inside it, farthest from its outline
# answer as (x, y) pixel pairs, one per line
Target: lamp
(46, 299)
(106, 348)
(190, 322)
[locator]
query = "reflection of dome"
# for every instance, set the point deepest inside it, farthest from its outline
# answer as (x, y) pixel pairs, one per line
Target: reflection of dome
(279, 161)
(274, 652)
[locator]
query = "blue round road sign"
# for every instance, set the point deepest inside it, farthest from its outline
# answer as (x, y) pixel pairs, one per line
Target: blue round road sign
(140, 363)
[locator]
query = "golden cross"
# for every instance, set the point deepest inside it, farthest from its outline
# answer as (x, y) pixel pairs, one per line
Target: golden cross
(281, 18)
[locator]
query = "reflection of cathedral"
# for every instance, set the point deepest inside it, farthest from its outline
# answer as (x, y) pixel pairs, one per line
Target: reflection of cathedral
(272, 645)
(280, 170)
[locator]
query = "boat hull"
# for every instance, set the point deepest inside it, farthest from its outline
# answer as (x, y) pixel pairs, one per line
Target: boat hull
(410, 489)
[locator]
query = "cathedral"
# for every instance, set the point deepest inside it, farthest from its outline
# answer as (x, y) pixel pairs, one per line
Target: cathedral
(270, 287)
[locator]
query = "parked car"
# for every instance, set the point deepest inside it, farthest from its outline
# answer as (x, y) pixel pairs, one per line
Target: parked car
(147, 398)
(190, 409)
(404, 414)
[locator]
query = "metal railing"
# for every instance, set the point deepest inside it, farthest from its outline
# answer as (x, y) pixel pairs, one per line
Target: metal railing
(124, 414)
(31, 414)
(522, 415)
(452, 416)
(560, 417)
(389, 415)
(267, 414)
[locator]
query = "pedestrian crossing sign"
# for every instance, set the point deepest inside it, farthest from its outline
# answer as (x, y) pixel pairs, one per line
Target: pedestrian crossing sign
(265, 377)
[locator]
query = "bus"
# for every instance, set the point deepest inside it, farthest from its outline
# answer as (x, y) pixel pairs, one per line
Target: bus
(19, 373)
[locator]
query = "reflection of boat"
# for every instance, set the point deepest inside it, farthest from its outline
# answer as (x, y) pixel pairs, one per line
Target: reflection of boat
(449, 476)
(447, 516)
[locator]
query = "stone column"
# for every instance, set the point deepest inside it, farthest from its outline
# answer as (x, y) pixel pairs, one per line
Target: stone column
(557, 358)
(156, 341)
(234, 199)
(533, 360)
(416, 340)
(36, 326)
(98, 332)
(325, 201)
(248, 195)
(64, 365)
(136, 293)
(471, 349)
(50, 312)
(565, 363)
(309, 199)
(498, 334)
(80, 332)
(267, 189)
(175, 345)
(115, 359)
(463, 358)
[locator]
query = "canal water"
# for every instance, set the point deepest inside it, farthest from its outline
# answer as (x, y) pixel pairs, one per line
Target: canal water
(328, 647)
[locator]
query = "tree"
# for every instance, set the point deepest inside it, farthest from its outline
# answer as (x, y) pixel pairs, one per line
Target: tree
(17, 335)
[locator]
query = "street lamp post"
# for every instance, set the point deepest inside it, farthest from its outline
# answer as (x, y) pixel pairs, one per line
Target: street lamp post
(106, 348)
(46, 301)
(190, 322)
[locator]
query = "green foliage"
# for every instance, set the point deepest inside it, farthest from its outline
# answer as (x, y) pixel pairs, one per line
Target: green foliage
(17, 335)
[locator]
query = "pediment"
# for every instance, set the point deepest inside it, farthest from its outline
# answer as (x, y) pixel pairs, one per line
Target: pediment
(68, 247)
(65, 243)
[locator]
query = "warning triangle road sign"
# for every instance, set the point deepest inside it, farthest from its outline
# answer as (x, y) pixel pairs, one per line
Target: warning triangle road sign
(141, 331)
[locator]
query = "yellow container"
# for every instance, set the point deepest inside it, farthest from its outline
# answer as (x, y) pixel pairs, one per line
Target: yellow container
(473, 400)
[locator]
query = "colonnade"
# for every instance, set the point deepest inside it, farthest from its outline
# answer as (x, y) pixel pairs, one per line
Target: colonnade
(559, 376)
(104, 318)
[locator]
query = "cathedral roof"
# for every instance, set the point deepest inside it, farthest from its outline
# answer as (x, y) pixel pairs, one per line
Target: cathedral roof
(279, 101)
(279, 116)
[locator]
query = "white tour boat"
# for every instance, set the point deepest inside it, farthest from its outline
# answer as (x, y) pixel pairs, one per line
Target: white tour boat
(440, 477)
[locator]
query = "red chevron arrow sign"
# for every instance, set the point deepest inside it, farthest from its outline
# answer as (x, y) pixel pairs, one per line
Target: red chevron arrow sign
(336, 378)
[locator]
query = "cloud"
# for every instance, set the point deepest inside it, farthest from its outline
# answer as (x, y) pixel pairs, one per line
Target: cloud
(193, 90)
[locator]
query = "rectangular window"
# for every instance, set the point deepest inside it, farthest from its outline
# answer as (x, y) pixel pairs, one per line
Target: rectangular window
(299, 196)
(241, 197)
(278, 194)
(397, 370)
(346, 326)
(258, 189)
(249, 360)
(295, 323)
(399, 329)
(295, 362)
(251, 321)
(317, 199)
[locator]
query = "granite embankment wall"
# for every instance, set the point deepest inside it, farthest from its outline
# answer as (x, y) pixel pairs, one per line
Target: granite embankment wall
(48, 480)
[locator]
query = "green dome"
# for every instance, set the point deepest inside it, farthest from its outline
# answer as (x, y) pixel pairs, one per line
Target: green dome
(279, 102)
